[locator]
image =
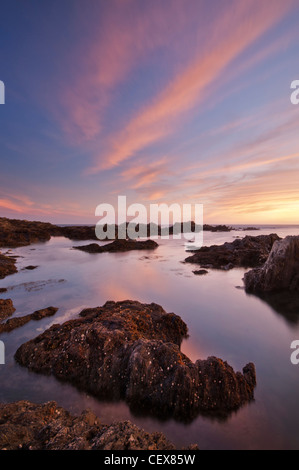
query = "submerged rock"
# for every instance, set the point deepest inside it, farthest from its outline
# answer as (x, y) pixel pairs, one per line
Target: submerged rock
(6, 309)
(216, 228)
(16, 322)
(119, 245)
(131, 351)
(246, 252)
(25, 425)
(16, 233)
(281, 270)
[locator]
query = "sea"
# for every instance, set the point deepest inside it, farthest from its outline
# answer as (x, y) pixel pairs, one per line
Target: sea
(222, 320)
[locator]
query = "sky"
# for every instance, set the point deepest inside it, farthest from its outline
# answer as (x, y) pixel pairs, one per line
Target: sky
(161, 101)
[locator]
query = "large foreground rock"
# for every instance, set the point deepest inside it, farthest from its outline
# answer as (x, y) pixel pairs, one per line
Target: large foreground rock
(131, 351)
(281, 270)
(25, 425)
(246, 252)
(15, 233)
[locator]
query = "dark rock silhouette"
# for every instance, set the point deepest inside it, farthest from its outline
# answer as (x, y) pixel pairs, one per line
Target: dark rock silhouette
(249, 251)
(15, 232)
(6, 309)
(119, 245)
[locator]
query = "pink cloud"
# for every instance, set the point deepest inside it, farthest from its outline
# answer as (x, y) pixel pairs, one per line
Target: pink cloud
(191, 86)
(118, 41)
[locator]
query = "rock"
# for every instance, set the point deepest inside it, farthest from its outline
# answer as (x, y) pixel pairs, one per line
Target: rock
(16, 322)
(30, 268)
(15, 233)
(2, 290)
(200, 272)
(281, 270)
(131, 351)
(6, 309)
(28, 426)
(7, 266)
(119, 245)
(246, 252)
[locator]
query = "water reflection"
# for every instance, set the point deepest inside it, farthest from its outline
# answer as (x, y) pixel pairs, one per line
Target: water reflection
(285, 304)
(223, 321)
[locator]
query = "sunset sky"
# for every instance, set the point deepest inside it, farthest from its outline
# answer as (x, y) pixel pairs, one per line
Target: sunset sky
(163, 101)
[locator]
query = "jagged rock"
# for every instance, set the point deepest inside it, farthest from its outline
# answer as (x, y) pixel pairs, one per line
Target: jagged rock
(119, 245)
(281, 270)
(25, 425)
(131, 351)
(7, 266)
(6, 309)
(216, 228)
(16, 322)
(246, 252)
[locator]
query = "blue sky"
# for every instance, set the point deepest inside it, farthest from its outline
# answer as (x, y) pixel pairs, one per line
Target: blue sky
(184, 101)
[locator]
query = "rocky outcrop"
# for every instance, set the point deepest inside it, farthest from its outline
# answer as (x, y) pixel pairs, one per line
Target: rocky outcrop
(245, 252)
(28, 426)
(6, 309)
(15, 233)
(281, 270)
(131, 351)
(119, 245)
(7, 266)
(16, 322)
(200, 272)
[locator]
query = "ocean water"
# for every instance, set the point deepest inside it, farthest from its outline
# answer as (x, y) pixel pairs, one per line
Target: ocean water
(222, 319)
